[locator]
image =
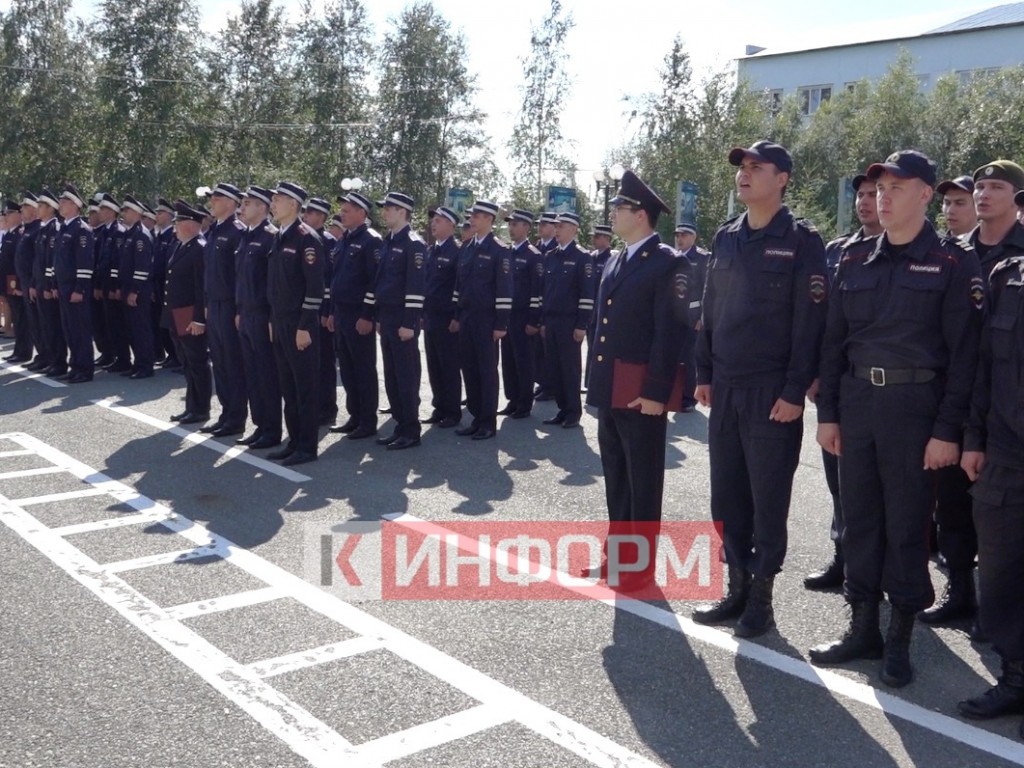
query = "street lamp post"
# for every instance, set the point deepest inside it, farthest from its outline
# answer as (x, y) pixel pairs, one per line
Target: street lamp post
(608, 179)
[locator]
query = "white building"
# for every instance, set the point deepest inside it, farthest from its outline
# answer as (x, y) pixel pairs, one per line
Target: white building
(976, 45)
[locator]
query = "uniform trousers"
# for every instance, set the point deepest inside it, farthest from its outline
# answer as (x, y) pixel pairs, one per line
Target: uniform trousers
(298, 373)
(260, 365)
(565, 364)
(478, 355)
(517, 363)
(402, 372)
(357, 365)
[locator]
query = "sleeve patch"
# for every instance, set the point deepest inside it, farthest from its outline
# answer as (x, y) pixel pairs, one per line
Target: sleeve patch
(139, 245)
(681, 284)
(417, 260)
(817, 288)
(310, 256)
(588, 269)
(977, 292)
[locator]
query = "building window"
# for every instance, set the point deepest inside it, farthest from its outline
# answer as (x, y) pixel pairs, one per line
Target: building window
(851, 87)
(773, 97)
(812, 97)
(922, 82)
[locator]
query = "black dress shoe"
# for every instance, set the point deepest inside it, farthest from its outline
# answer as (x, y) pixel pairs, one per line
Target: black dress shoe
(362, 432)
(544, 397)
(472, 429)
(103, 361)
(254, 437)
(79, 378)
(403, 442)
(141, 375)
(56, 370)
(447, 423)
(227, 431)
(118, 368)
(209, 429)
(484, 434)
(170, 362)
(298, 457)
(130, 372)
(64, 376)
(434, 419)
(570, 423)
(508, 410)
(194, 418)
(282, 453)
(180, 416)
(265, 441)
(386, 409)
(556, 419)
(327, 419)
(387, 440)
(519, 414)
(349, 426)
(37, 366)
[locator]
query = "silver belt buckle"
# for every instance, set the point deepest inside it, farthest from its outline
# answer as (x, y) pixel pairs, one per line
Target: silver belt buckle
(877, 377)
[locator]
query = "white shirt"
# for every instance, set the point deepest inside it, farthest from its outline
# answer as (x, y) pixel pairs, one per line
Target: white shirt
(631, 249)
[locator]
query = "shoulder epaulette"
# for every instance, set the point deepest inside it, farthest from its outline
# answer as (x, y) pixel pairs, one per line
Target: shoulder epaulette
(500, 242)
(270, 229)
(1006, 263)
(373, 232)
(238, 224)
(308, 230)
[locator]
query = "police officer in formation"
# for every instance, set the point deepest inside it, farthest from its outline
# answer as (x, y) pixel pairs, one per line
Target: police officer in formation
(52, 344)
(866, 210)
(398, 290)
(483, 294)
(22, 352)
(184, 314)
(686, 243)
(545, 242)
(958, 207)
(222, 336)
(517, 355)
(163, 243)
(252, 261)
(566, 308)
(136, 264)
(601, 239)
(24, 259)
(314, 215)
(353, 300)
(295, 290)
(73, 264)
(116, 358)
(440, 340)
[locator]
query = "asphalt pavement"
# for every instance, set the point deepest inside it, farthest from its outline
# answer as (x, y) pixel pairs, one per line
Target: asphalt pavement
(161, 608)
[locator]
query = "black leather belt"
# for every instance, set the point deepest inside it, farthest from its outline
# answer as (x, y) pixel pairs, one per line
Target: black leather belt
(882, 377)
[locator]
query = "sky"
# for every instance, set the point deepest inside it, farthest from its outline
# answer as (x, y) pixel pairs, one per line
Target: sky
(616, 48)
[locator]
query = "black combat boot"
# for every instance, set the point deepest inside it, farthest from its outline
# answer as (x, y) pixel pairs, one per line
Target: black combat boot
(1006, 697)
(957, 601)
(730, 606)
(863, 640)
(758, 617)
(831, 576)
(896, 669)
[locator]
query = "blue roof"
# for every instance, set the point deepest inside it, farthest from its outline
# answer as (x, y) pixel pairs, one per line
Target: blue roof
(1011, 13)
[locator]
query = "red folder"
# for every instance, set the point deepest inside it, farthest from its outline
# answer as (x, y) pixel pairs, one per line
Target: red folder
(183, 316)
(628, 381)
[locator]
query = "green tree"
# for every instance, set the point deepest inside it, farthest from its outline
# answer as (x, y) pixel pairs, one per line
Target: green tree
(425, 121)
(537, 143)
(152, 133)
(46, 124)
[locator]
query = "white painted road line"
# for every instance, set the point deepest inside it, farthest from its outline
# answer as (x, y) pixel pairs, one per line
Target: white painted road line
(230, 453)
(395, 746)
(296, 727)
(12, 454)
(164, 558)
(834, 682)
(225, 603)
(292, 662)
(30, 472)
(138, 518)
(25, 375)
(50, 498)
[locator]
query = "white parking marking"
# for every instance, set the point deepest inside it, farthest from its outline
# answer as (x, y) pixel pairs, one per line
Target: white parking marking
(164, 558)
(139, 518)
(225, 603)
(26, 375)
(834, 682)
(295, 726)
(49, 498)
(292, 662)
(230, 453)
(30, 472)
(12, 454)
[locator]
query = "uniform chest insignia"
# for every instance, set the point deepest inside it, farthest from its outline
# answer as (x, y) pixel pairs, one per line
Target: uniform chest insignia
(569, 263)
(355, 248)
(396, 250)
(288, 250)
(779, 253)
(520, 262)
(977, 292)
(817, 288)
(222, 239)
(929, 269)
(484, 256)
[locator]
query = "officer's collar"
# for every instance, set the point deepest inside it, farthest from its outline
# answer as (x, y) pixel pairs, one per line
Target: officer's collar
(520, 244)
(288, 227)
(349, 234)
(777, 227)
(917, 249)
(439, 243)
(1015, 237)
(401, 232)
(566, 246)
(480, 240)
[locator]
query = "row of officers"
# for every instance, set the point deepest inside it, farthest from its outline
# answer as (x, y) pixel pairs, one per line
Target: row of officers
(190, 288)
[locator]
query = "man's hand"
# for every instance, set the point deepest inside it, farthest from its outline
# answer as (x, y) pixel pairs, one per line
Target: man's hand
(329, 324)
(238, 322)
(784, 412)
(499, 335)
(453, 326)
(97, 293)
(972, 462)
(578, 335)
(829, 439)
(31, 294)
(270, 331)
(324, 322)
(405, 334)
(702, 394)
(47, 294)
(133, 299)
(543, 332)
(115, 295)
(302, 339)
(76, 297)
(648, 407)
(940, 453)
(532, 330)
(196, 329)
(812, 391)
(364, 327)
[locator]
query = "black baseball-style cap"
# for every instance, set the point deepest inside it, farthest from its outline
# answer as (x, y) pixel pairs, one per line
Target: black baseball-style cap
(962, 183)
(906, 164)
(765, 151)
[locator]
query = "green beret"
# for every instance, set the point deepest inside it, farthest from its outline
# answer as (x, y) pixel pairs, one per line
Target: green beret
(1001, 170)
